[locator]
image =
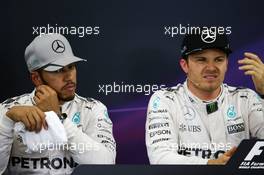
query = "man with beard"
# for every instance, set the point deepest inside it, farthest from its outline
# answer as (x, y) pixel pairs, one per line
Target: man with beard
(52, 68)
(203, 120)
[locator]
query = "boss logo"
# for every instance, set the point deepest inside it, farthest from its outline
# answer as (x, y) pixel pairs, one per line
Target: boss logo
(236, 128)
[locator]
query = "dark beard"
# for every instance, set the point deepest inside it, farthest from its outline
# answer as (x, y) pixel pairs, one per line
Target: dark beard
(65, 99)
(60, 98)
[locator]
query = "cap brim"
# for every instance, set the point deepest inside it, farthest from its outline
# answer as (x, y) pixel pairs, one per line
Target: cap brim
(226, 50)
(60, 63)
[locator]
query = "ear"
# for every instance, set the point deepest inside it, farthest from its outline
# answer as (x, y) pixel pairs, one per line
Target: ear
(35, 78)
(184, 65)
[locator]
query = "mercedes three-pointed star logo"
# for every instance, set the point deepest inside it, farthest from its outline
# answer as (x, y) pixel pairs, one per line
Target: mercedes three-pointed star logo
(58, 46)
(208, 36)
(189, 113)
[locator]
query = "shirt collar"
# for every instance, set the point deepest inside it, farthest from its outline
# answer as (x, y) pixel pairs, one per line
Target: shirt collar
(195, 99)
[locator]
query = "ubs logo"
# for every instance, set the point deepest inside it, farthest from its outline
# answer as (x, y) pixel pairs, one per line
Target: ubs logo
(208, 36)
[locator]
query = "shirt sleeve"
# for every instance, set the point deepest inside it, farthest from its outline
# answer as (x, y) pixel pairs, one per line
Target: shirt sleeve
(162, 135)
(6, 138)
(95, 144)
(256, 116)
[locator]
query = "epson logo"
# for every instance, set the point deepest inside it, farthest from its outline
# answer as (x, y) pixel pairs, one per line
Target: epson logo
(160, 132)
(236, 128)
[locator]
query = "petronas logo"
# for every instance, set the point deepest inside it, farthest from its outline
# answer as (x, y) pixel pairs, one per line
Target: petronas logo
(156, 103)
(231, 112)
(76, 118)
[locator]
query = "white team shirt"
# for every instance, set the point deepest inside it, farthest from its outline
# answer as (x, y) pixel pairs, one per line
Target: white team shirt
(182, 129)
(89, 132)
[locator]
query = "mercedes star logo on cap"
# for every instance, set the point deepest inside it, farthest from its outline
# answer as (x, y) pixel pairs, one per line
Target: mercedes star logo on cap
(58, 46)
(208, 36)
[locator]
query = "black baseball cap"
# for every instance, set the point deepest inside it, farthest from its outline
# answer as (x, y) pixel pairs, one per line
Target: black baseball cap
(204, 40)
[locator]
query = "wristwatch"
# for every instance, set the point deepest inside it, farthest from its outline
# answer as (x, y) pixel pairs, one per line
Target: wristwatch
(62, 117)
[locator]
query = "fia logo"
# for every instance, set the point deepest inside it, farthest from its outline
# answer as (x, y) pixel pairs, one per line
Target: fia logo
(231, 112)
(254, 159)
(76, 118)
(255, 151)
(156, 103)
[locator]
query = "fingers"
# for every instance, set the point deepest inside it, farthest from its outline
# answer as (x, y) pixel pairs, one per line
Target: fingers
(31, 116)
(46, 99)
(32, 122)
(252, 59)
(41, 91)
(251, 64)
(247, 61)
(222, 160)
(250, 72)
(43, 120)
(38, 122)
(44, 89)
(39, 118)
(25, 121)
(39, 95)
(230, 152)
(34, 119)
(253, 56)
(225, 159)
(36, 99)
(249, 68)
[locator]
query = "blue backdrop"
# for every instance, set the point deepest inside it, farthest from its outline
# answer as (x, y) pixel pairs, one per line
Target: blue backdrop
(131, 47)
